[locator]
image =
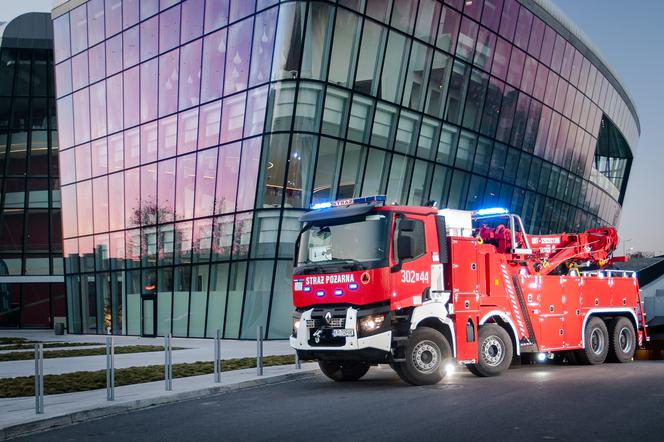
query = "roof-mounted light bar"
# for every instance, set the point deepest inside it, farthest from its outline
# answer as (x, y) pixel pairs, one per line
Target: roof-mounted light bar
(491, 211)
(376, 199)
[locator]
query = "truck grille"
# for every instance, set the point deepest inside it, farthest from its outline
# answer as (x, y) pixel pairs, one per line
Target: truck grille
(322, 328)
(334, 323)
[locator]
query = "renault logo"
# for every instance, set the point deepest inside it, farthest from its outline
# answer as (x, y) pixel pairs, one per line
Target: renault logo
(328, 318)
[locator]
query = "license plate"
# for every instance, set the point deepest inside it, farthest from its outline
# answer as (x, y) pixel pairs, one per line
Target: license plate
(343, 332)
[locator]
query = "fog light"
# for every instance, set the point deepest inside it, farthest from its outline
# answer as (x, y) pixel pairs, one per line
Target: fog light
(296, 325)
(371, 323)
(541, 357)
(450, 368)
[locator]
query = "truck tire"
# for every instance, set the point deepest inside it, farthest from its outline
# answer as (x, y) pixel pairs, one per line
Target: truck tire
(427, 352)
(344, 371)
(622, 340)
(494, 351)
(597, 343)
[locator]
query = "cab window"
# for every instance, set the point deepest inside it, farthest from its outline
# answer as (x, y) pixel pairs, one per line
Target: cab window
(409, 240)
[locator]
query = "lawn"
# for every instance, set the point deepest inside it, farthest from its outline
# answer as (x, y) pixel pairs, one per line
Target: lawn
(92, 380)
(26, 355)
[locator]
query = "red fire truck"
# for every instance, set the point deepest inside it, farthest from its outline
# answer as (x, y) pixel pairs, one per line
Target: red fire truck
(418, 288)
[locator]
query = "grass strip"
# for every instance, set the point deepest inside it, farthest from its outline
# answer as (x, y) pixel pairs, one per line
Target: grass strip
(93, 380)
(31, 345)
(12, 340)
(26, 355)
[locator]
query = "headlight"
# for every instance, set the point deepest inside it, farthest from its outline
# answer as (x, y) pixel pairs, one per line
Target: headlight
(296, 323)
(371, 323)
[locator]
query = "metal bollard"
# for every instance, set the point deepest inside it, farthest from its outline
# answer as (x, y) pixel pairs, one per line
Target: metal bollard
(259, 350)
(39, 378)
(110, 369)
(168, 363)
(298, 365)
(217, 357)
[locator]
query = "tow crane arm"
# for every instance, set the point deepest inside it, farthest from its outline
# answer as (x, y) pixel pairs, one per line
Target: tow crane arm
(548, 252)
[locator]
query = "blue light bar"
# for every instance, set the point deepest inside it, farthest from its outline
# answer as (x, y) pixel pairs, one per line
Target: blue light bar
(307, 288)
(325, 205)
(352, 286)
(338, 292)
(492, 211)
(320, 293)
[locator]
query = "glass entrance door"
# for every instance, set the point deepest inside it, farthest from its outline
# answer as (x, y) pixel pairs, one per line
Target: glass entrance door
(149, 315)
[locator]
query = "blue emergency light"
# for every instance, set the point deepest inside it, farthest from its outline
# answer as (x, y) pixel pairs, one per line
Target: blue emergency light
(492, 211)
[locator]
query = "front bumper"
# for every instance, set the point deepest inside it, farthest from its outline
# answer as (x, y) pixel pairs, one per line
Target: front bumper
(380, 342)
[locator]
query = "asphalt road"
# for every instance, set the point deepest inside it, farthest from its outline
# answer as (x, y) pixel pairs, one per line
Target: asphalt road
(608, 402)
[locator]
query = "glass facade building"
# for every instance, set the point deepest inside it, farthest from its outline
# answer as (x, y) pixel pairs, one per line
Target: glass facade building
(32, 292)
(194, 133)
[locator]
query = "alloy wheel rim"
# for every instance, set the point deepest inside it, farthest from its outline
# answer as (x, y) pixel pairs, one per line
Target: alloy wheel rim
(493, 350)
(426, 357)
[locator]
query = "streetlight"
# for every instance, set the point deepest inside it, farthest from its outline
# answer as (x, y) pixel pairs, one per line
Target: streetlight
(624, 244)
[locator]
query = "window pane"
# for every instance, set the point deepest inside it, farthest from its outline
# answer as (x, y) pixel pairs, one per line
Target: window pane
(344, 47)
(251, 154)
(237, 61)
(327, 170)
(149, 92)
(214, 52)
(208, 124)
(317, 44)
(227, 176)
(393, 68)
(370, 59)
(417, 76)
(169, 28)
(184, 196)
(190, 74)
(205, 182)
(232, 118)
(257, 298)
(218, 290)
(261, 54)
(168, 82)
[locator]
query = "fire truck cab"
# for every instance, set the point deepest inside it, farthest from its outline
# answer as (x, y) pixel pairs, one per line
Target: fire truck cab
(423, 289)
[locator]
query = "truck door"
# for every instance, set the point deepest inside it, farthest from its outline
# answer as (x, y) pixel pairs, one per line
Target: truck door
(411, 274)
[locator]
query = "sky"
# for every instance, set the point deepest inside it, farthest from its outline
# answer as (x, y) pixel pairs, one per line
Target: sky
(10, 9)
(630, 36)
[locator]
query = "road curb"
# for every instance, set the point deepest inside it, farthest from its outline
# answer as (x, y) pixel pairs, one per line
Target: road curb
(27, 428)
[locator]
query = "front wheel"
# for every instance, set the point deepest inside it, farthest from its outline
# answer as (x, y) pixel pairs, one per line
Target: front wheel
(343, 371)
(426, 354)
(494, 351)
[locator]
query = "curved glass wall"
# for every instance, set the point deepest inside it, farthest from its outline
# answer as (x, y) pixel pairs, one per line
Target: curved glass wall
(32, 292)
(195, 133)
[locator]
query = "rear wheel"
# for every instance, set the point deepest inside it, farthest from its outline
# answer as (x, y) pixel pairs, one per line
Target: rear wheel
(622, 341)
(343, 371)
(494, 351)
(597, 343)
(427, 352)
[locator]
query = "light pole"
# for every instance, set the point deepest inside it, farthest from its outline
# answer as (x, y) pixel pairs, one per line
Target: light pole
(624, 244)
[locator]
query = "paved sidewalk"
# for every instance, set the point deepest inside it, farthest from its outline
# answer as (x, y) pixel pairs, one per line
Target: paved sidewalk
(17, 416)
(193, 350)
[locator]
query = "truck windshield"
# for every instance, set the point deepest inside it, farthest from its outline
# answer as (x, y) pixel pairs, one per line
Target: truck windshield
(351, 246)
